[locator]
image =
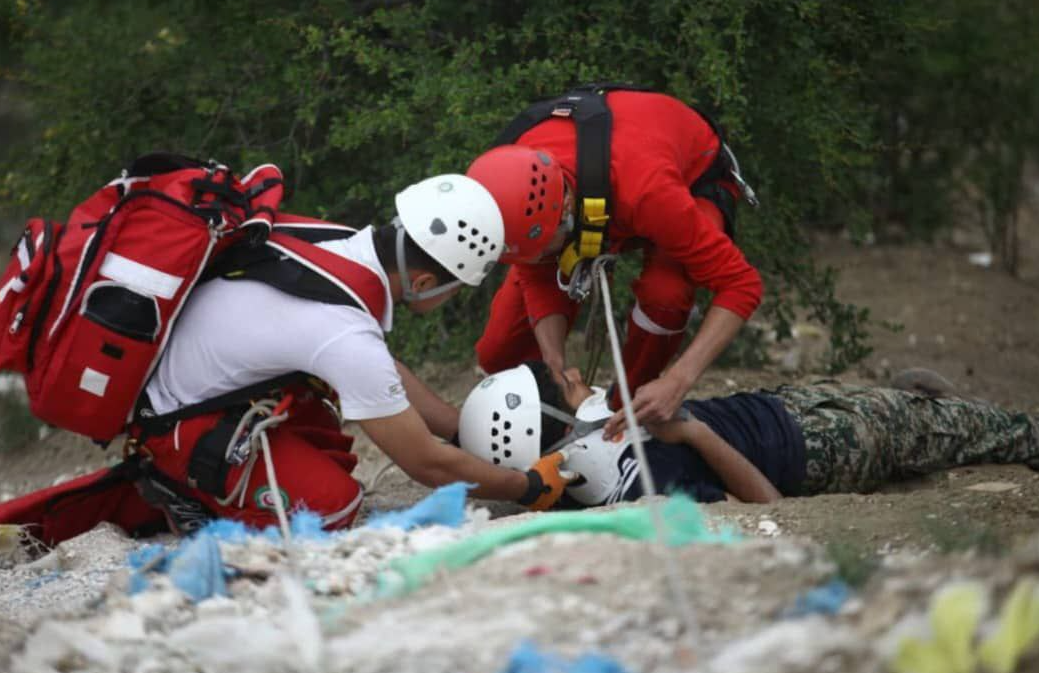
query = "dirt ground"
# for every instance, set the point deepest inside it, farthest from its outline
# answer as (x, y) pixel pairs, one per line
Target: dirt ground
(976, 326)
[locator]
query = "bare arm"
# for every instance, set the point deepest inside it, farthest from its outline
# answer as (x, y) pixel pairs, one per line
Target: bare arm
(441, 418)
(409, 443)
(719, 328)
(658, 400)
(550, 333)
(740, 476)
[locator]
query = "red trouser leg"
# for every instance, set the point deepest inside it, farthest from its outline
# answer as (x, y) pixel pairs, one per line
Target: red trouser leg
(664, 296)
(309, 476)
(656, 327)
(508, 339)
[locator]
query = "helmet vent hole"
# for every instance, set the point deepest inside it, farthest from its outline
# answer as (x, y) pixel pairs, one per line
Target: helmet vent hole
(494, 246)
(497, 461)
(474, 232)
(530, 211)
(541, 206)
(508, 425)
(494, 432)
(462, 225)
(542, 191)
(544, 178)
(480, 253)
(472, 246)
(494, 447)
(496, 416)
(484, 239)
(506, 439)
(531, 197)
(534, 167)
(461, 239)
(530, 432)
(508, 454)
(533, 182)
(461, 266)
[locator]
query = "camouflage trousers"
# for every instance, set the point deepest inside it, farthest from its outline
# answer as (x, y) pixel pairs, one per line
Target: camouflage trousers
(858, 438)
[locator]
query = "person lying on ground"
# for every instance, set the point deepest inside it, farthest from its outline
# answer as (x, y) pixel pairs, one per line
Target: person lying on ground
(796, 440)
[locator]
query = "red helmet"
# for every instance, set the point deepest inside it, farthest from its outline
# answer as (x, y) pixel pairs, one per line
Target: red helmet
(528, 186)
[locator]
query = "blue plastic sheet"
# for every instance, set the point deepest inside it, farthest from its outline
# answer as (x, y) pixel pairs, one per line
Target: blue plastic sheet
(527, 658)
(303, 524)
(444, 506)
(824, 600)
(149, 557)
(197, 569)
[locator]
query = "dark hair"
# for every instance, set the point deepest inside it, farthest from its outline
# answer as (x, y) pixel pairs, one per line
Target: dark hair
(385, 238)
(552, 430)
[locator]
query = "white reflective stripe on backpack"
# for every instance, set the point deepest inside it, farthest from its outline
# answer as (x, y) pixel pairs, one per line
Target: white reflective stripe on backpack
(140, 276)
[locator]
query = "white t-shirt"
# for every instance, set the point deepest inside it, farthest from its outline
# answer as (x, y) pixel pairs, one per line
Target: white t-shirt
(232, 334)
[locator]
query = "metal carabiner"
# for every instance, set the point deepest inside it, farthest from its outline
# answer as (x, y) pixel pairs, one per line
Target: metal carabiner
(745, 189)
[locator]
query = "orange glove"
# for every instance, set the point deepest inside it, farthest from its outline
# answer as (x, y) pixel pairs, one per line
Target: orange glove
(545, 482)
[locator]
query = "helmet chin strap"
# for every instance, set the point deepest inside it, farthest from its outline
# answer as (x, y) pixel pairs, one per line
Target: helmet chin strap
(578, 428)
(409, 295)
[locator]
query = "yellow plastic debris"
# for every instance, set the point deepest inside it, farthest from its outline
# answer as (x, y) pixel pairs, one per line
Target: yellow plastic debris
(954, 616)
(10, 539)
(1017, 631)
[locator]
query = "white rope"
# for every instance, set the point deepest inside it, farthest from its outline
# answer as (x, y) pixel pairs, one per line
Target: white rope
(272, 481)
(258, 443)
(682, 603)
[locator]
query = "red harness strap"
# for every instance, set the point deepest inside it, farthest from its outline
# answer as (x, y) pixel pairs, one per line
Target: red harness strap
(357, 280)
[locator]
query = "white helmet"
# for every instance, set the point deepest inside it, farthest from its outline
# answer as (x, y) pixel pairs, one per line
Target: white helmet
(501, 423)
(457, 222)
(608, 468)
(501, 419)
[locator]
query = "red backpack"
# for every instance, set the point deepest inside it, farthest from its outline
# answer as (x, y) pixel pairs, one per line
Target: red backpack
(86, 307)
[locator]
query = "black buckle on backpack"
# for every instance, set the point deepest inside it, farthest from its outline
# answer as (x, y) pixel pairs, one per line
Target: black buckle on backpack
(208, 466)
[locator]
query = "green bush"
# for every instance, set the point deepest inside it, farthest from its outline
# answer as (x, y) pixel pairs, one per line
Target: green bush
(18, 427)
(356, 100)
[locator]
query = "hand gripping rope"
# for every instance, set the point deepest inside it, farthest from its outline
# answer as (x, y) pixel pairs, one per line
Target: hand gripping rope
(682, 603)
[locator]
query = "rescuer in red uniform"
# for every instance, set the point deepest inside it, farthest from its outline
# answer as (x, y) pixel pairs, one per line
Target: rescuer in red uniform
(672, 194)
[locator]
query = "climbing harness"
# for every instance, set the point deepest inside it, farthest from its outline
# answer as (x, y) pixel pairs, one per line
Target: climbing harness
(586, 106)
(247, 442)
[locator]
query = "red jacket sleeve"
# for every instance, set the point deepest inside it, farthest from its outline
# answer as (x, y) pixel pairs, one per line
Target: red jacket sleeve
(541, 292)
(667, 215)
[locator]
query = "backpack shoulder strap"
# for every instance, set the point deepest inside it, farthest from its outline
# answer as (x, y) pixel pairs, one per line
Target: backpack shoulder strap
(291, 261)
(352, 279)
(586, 106)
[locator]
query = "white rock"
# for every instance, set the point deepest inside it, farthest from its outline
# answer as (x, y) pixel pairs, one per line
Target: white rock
(801, 645)
(768, 527)
(155, 603)
(53, 642)
(123, 625)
